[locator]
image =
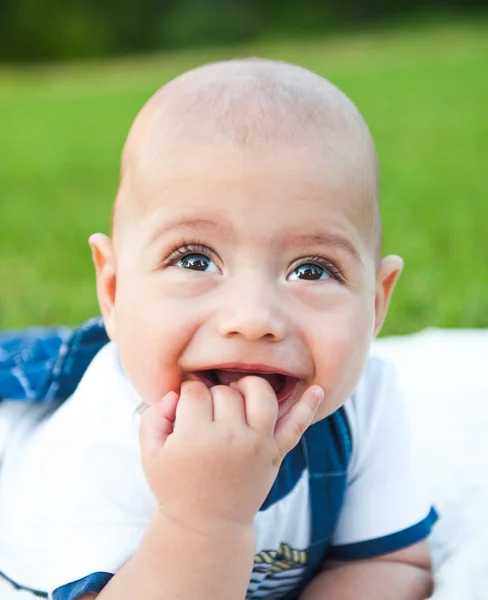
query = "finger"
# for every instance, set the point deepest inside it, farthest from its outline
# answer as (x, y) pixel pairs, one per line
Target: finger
(157, 424)
(228, 404)
(195, 405)
(167, 406)
(292, 426)
(260, 403)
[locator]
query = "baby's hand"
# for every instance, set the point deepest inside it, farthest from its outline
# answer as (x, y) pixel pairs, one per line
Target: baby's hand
(211, 457)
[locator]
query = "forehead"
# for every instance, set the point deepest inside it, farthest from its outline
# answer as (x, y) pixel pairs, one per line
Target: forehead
(282, 193)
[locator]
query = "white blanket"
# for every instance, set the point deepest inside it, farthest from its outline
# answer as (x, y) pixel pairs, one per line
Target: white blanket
(444, 378)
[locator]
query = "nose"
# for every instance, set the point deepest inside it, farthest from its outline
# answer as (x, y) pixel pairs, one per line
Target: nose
(254, 313)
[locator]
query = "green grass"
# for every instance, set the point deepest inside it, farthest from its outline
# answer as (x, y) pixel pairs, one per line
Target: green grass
(422, 89)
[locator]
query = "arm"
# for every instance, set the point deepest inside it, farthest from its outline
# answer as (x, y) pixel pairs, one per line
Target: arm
(175, 562)
(210, 458)
(402, 575)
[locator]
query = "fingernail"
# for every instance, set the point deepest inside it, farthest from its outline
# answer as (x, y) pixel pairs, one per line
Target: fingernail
(318, 392)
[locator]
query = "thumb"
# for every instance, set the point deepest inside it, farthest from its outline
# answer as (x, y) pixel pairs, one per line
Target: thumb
(290, 428)
(157, 424)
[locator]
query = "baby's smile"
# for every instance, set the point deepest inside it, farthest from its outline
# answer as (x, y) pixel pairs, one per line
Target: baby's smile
(284, 384)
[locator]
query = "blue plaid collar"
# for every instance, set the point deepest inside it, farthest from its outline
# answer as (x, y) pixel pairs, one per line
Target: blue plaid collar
(44, 364)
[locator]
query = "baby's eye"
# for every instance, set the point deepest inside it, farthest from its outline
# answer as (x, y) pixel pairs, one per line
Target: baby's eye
(309, 272)
(197, 262)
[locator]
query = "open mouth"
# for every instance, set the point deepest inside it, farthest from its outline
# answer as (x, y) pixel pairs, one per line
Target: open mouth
(283, 385)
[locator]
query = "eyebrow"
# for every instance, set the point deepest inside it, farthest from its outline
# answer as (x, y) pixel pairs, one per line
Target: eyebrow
(207, 224)
(324, 239)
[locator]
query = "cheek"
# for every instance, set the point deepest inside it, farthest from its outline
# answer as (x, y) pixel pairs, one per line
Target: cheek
(340, 350)
(152, 332)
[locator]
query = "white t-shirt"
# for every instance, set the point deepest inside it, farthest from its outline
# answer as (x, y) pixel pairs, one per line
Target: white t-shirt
(74, 503)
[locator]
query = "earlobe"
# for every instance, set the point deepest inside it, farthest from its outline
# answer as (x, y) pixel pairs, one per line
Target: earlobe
(104, 260)
(388, 274)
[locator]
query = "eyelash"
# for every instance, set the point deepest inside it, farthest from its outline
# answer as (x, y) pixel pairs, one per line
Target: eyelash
(325, 264)
(183, 249)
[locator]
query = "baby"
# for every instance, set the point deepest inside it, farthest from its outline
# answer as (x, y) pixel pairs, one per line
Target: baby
(241, 288)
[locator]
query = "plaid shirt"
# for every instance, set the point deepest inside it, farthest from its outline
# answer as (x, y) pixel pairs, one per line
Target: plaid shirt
(44, 364)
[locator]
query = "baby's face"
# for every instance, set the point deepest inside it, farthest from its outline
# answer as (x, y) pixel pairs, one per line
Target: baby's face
(245, 261)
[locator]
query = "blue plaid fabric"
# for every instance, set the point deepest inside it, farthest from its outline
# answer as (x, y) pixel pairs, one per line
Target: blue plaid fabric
(44, 364)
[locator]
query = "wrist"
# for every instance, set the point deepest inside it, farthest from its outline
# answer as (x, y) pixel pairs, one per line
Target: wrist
(215, 529)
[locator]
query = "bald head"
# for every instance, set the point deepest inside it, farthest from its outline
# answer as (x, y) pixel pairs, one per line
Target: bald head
(253, 103)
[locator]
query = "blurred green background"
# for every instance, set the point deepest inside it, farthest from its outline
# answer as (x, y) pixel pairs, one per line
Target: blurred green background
(420, 81)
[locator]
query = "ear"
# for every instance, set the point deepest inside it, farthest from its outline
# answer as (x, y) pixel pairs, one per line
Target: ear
(388, 273)
(104, 259)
